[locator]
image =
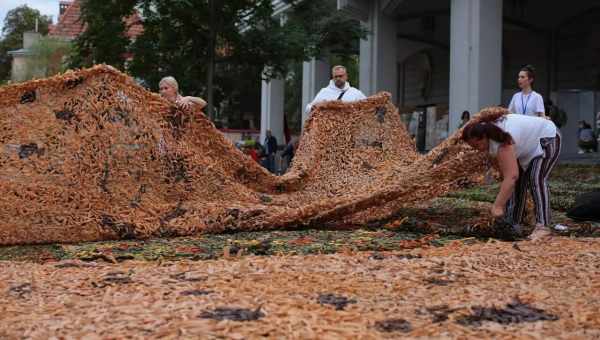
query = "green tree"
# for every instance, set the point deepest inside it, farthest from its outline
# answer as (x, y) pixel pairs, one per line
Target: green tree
(18, 21)
(104, 39)
(324, 30)
(198, 40)
(216, 49)
(293, 97)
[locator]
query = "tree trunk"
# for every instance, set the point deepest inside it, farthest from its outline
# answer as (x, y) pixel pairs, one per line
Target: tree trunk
(211, 61)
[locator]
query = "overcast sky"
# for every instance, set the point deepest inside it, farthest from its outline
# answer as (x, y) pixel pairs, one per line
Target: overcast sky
(46, 7)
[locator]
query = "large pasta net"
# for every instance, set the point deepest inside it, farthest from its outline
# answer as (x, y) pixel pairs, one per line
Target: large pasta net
(91, 155)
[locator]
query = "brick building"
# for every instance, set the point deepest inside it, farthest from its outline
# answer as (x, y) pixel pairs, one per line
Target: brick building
(67, 27)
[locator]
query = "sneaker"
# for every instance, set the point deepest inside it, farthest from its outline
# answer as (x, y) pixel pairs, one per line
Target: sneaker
(540, 233)
(581, 152)
(561, 228)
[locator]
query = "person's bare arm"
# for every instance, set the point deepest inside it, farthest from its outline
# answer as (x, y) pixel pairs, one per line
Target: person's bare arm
(189, 102)
(509, 168)
(201, 103)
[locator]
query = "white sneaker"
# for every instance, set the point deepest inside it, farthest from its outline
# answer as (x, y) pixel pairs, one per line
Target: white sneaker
(581, 152)
(561, 228)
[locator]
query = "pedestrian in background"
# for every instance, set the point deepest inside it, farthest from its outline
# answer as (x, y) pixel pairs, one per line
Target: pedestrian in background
(586, 139)
(289, 152)
(527, 101)
(270, 146)
(464, 118)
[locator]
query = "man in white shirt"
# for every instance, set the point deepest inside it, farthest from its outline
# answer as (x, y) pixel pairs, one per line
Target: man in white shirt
(338, 89)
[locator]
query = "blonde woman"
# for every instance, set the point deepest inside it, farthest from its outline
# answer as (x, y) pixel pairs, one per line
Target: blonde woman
(169, 89)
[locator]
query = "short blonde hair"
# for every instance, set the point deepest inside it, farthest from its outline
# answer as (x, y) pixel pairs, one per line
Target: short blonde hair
(338, 67)
(171, 82)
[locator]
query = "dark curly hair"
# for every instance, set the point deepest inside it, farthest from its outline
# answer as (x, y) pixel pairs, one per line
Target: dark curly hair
(483, 125)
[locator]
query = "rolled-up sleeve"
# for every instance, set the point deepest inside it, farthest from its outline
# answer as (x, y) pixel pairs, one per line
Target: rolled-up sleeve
(539, 104)
(512, 107)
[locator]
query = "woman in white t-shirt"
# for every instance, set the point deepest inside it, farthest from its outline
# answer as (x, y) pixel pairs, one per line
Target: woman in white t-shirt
(526, 149)
(527, 101)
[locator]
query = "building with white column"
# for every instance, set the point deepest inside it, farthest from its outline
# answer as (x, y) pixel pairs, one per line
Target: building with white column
(315, 76)
(475, 56)
(441, 57)
(273, 93)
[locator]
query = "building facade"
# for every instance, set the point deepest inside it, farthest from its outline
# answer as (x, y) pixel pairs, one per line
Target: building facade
(68, 27)
(439, 58)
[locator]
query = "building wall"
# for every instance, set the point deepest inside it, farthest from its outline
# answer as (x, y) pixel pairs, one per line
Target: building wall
(24, 67)
(416, 70)
(19, 69)
(579, 60)
(578, 66)
(577, 63)
(521, 47)
(430, 63)
(517, 53)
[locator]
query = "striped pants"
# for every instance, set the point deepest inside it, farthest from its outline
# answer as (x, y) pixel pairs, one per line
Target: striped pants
(535, 178)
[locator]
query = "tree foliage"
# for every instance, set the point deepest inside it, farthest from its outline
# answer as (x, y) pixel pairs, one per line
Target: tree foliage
(176, 34)
(323, 29)
(249, 43)
(247, 39)
(18, 21)
(104, 39)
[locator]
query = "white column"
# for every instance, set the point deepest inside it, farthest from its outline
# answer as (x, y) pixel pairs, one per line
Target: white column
(378, 59)
(271, 109)
(475, 56)
(315, 76)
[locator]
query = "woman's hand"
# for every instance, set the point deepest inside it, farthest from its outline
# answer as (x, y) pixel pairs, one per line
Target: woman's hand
(189, 102)
(497, 211)
(184, 102)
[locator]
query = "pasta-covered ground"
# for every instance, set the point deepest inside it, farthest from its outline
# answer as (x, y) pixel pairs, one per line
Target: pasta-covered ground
(380, 281)
(480, 290)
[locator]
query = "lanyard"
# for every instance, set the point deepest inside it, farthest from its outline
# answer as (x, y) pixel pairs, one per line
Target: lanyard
(524, 106)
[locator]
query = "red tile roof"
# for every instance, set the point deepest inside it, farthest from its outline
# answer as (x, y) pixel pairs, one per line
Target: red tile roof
(70, 25)
(134, 26)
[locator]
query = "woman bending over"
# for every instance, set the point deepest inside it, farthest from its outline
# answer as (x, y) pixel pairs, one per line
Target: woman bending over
(526, 148)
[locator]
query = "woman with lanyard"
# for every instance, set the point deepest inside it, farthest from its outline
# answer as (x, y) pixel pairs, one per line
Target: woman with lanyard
(526, 149)
(527, 101)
